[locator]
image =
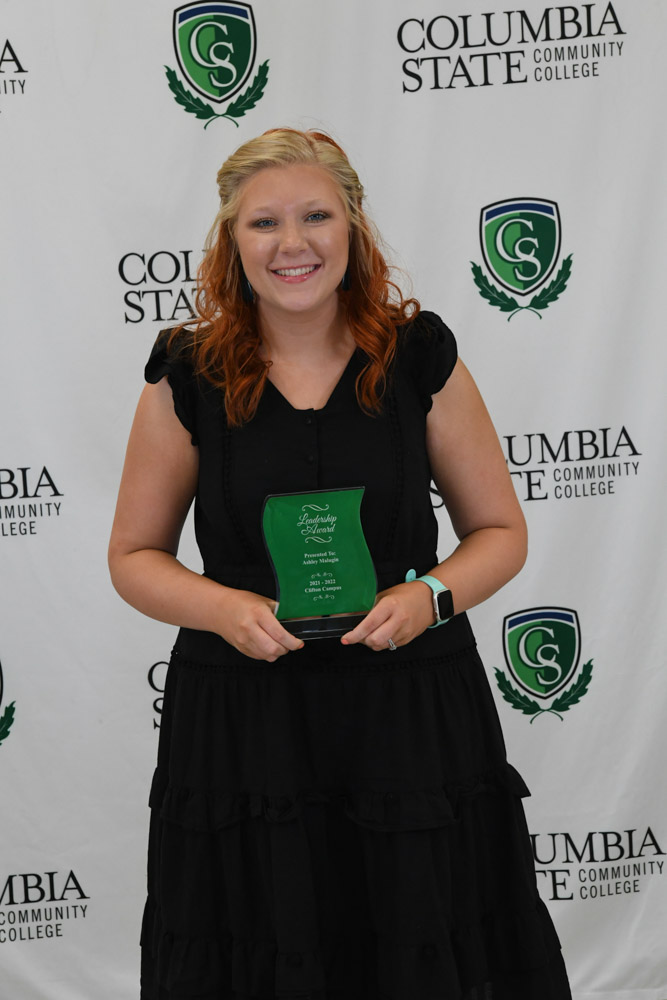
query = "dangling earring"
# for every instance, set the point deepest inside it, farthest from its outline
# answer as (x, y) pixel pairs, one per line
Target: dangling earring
(247, 291)
(345, 282)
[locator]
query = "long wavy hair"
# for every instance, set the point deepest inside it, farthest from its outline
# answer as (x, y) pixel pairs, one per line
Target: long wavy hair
(224, 340)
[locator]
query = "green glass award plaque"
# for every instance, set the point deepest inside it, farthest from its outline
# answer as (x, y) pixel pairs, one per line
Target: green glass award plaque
(325, 578)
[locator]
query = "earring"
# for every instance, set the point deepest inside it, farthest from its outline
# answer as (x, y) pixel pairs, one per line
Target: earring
(247, 291)
(345, 282)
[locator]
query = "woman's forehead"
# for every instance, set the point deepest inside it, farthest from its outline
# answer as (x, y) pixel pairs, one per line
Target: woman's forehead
(293, 182)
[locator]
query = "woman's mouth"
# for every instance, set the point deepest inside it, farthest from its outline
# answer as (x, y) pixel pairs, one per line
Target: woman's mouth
(296, 273)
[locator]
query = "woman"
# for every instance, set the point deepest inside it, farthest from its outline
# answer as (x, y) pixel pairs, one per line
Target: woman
(334, 818)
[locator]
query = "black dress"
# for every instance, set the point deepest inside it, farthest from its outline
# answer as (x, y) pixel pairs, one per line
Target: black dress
(341, 824)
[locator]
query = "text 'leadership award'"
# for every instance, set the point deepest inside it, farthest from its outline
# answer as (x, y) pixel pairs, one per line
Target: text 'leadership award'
(325, 578)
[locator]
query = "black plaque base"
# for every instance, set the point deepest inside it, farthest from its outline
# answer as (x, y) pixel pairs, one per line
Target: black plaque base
(328, 627)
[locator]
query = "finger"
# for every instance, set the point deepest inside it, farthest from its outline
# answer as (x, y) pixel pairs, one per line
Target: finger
(379, 639)
(279, 634)
(276, 652)
(265, 648)
(273, 627)
(373, 620)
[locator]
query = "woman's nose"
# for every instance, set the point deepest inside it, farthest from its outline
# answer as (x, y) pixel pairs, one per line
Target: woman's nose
(292, 237)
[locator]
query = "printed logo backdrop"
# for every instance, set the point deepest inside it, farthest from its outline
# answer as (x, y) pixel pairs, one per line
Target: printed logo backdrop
(28, 496)
(13, 73)
(520, 240)
(535, 44)
(591, 462)
(160, 286)
(215, 45)
(7, 716)
(515, 160)
(36, 906)
(542, 648)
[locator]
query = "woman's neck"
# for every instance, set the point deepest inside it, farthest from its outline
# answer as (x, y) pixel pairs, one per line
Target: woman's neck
(302, 336)
(308, 356)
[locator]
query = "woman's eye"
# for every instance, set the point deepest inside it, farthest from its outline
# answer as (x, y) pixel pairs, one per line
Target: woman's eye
(264, 223)
(317, 216)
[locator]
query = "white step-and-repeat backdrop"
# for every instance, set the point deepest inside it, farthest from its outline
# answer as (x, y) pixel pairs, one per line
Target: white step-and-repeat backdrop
(515, 162)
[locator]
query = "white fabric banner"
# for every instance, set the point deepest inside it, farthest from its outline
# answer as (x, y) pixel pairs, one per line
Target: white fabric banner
(514, 159)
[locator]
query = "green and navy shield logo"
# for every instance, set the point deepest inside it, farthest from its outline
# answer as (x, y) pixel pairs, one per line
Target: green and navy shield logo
(7, 717)
(520, 242)
(215, 46)
(542, 648)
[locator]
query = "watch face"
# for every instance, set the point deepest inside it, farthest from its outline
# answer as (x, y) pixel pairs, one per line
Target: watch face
(445, 604)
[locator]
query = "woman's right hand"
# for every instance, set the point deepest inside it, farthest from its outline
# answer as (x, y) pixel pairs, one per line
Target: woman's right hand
(248, 622)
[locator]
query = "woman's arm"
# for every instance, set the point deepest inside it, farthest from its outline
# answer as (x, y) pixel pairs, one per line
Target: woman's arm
(470, 472)
(157, 487)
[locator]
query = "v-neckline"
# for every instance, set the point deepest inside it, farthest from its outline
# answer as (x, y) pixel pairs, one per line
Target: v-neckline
(334, 391)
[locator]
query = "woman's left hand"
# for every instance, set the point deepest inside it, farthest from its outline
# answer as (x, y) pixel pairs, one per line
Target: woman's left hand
(400, 613)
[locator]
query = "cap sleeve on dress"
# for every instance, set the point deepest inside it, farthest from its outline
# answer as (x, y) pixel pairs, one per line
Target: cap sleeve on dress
(432, 352)
(167, 361)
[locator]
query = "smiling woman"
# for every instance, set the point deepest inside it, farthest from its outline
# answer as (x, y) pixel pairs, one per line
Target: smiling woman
(336, 819)
(293, 238)
(283, 186)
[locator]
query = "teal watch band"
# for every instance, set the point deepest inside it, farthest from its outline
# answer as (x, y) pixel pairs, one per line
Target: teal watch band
(438, 588)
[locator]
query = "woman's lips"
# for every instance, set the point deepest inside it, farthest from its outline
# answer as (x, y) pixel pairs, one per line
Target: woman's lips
(294, 275)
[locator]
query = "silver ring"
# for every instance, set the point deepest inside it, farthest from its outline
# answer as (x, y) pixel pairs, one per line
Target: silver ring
(392, 645)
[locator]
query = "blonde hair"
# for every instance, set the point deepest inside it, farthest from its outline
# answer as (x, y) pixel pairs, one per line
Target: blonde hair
(226, 340)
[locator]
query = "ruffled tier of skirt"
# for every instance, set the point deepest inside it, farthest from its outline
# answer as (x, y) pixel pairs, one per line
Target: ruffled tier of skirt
(323, 834)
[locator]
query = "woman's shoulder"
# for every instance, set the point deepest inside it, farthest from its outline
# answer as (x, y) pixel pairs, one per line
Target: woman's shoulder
(425, 329)
(426, 352)
(171, 354)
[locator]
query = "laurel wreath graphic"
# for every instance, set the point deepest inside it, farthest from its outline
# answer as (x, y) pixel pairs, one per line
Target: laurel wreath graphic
(507, 303)
(562, 703)
(200, 109)
(6, 721)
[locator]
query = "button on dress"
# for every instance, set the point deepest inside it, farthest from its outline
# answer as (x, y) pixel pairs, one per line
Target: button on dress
(341, 824)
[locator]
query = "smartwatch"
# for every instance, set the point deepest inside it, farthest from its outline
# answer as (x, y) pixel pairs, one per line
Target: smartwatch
(443, 604)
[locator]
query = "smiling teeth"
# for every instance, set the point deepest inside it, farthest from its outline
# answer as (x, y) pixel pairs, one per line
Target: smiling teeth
(295, 271)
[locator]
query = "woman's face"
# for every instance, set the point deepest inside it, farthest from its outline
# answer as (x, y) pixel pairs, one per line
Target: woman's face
(293, 238)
